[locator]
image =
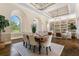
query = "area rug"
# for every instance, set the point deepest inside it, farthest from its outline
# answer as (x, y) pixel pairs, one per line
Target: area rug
(56, 50)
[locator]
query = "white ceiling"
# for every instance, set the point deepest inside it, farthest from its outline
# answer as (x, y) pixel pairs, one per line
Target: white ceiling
(50, 10)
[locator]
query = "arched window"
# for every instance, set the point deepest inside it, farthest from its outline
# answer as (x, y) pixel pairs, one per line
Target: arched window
(15, 23)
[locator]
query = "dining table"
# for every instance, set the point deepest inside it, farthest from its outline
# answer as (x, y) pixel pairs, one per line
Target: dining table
(40, 38)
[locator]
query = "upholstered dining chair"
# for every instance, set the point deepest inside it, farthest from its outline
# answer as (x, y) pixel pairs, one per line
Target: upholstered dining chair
(25, 40)
(68, 35)
(33, 43)
(47, 44)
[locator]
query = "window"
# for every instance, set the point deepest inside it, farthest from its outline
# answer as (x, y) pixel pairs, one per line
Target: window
(15, 24)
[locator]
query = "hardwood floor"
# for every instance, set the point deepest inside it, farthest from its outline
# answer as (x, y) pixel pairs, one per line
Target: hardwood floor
(9, 50)
(71, 47)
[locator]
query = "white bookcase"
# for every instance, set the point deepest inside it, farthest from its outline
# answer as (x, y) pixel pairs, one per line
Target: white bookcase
(62, 25)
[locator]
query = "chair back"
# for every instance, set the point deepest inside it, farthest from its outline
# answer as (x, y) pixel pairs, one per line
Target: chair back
(25, 38)
(32, 39)
(49, 39)
(48, 42)
(68, 34)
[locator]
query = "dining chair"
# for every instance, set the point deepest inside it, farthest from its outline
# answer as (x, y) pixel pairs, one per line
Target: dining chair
(58, 35)
(33, 43)
(26, 41)
(47, 44)
(68, 35)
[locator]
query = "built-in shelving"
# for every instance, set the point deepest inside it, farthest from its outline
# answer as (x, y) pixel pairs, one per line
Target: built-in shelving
(61, 25)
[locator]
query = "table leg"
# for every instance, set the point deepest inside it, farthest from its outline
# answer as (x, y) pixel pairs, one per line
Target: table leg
(39, 49)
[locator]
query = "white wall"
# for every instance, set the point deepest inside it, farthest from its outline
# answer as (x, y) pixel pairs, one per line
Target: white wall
(77, 16)
(77, 13)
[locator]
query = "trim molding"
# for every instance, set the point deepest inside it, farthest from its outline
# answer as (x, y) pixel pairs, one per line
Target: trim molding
(16, 37)
(6, 43)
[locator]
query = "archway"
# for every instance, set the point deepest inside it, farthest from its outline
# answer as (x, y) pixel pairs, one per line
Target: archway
(16, 24)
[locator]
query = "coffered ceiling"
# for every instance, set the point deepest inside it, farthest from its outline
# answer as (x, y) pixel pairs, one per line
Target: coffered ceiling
(42, 6)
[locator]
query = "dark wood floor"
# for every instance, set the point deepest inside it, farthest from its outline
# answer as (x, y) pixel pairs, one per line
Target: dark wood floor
(71, 47)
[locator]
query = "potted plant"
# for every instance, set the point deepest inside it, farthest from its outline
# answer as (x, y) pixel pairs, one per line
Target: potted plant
(3, 24)
(33, 28)
(72, 27)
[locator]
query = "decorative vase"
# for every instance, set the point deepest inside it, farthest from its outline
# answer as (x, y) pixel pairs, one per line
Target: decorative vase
(33, 28)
